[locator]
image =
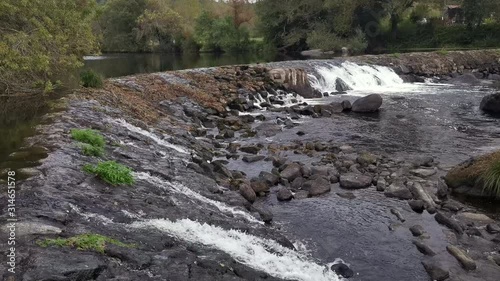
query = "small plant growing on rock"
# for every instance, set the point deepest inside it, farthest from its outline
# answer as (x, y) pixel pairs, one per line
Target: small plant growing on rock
(84, 242)
(111, 172)
(88, 136)
(91, 79)
(490, 179)
(93, 141)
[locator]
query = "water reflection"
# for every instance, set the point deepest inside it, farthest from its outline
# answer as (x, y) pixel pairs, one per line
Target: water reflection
(114, 65)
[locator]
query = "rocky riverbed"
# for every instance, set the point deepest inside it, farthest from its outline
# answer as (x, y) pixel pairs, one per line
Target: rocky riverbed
(237, 177)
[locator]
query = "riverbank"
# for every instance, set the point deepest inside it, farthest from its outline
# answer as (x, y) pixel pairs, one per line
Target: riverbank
(207, 158)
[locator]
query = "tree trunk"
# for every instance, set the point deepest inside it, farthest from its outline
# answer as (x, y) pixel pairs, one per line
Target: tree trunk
(394, 26)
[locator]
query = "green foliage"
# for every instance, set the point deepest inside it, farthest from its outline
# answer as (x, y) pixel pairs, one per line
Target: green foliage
(490, 179)
(91, 79)
(220, 34)
(43, 41)
(88, 136)
(84, 242)
(91, 150)
(111, 172)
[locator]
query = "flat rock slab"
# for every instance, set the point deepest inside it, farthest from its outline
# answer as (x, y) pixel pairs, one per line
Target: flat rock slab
(466, 262)
(477, 219)
(253, 158)
(355, 181)
(30, 228)
(423, 173)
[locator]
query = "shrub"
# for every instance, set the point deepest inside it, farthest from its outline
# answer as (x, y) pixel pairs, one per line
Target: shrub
(88, 136)
(84, 242)
(91, 150)
(111, 172)
(490, 179)
(91, 79)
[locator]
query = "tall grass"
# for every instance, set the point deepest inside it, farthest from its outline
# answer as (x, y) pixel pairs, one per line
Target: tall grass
(490, 180)
(111, 172)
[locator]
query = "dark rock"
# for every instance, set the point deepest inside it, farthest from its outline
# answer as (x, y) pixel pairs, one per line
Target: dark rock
(297, 183)
(417, 230)
(355, 181)
(250, 149)
(442, 189)
(259, 185)
(279, 161)
(448, 222)
(291, 172)
(398, 190)
(284, 194)
(398, 215)
(64, 266)
(343, 270)
(300, 133)
(265, 214)
(369, 103)
(468, 79)
(496, 259)
(417, 205)
(317, 186)
(248, 192)
(435, 271)
(228, 134)
(268, 130)
(346, 105)
(269, 178)
(346, 195)
(252, 158)
(452, 206)
(466, 262)
(425, 161)
(493, 228)
(423, 248)
(491, 103)
(341, 86)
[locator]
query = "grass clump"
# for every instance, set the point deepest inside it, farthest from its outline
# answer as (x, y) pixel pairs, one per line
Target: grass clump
(443, 52)
(91, 79)
(490, 179)
(92, 141)
(88, 136)
(84, 242)
(111, 172)
(91, 150)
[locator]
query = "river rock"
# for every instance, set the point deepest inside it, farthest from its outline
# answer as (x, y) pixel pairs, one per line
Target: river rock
(436, 271)
(398, 215)
(417, 230)
(346, 105)
(247, 192)
(370, 103)
(474, 218)
(265, 214)
(71, 266)
(291, 172)
(417, 205)
(423, 173)
(493, 228)
(398, 190)
(269, 178)
(343, 270)
(252, 158)
(250, 149)
(468, 78)
(284, 194)
(449, 222)
(423, 248)
(317, 186)
(259, 185)
(466, 262)
(341, 86)
(355, 181)
(491, 103)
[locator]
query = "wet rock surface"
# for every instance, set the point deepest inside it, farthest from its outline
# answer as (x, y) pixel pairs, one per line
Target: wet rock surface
(201, 168)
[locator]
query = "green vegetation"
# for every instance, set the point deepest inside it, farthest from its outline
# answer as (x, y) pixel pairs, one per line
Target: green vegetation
(88, 136)
(483, 173)
(490, 179)
(111, 172)
(92, 141)
(90, 79)
(84, 242)
(43, 42)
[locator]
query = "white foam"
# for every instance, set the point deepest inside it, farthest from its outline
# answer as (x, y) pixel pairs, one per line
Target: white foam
(258, 253)
(180, 188)
(156, 139)
(360, 78)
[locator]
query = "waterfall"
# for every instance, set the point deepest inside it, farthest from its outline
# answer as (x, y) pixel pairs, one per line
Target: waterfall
(367, 78)
(153, 137)
(261, 254)
(179, 188)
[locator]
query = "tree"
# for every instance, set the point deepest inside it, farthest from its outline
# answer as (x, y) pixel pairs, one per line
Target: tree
(158, 26)
(42, 42)
(395, 10)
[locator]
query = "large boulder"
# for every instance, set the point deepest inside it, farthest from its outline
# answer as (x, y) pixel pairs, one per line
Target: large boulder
(317, 186)
(341, 86)
(370, 103)
(355, 181)
(491, 103)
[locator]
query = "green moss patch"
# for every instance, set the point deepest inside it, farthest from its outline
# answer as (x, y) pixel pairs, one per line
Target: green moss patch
(84, 242)
(111, 172)
(92, 141)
